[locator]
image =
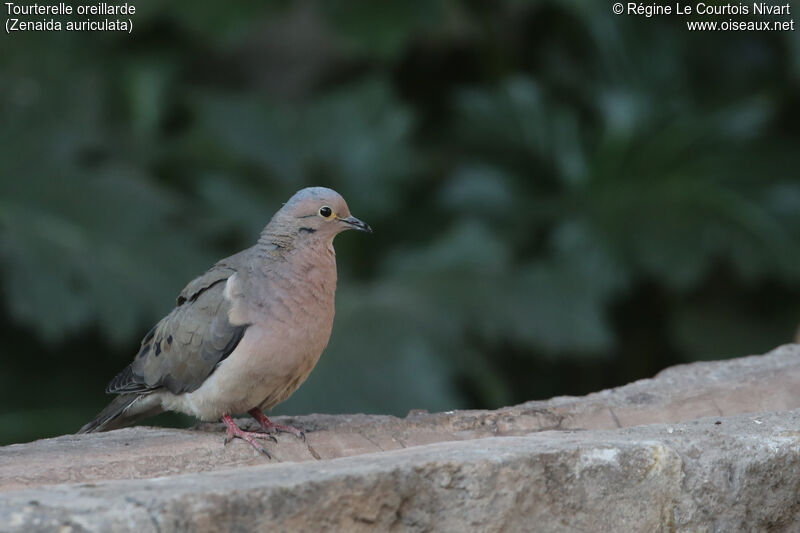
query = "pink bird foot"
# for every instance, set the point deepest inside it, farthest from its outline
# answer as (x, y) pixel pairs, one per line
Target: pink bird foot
(268, 426)
(235, 431)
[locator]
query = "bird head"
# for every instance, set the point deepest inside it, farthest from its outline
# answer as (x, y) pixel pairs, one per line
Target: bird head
(317, 211)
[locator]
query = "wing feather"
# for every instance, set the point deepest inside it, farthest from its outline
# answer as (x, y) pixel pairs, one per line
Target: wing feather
(182, 350)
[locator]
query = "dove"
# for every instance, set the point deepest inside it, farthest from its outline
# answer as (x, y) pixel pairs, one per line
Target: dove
(247, 333)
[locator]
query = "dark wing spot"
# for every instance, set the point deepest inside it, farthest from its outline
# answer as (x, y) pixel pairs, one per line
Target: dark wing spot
(183, 383)
(158, 349)
(204, 289)
(144, 351)
(149, 334)
(184, 297)
(307, 230)
(169, 339)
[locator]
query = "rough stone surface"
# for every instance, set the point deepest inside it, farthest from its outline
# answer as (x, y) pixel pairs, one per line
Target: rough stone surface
(721, 453)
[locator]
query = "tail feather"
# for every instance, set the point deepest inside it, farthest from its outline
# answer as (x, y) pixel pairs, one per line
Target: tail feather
(124, 410)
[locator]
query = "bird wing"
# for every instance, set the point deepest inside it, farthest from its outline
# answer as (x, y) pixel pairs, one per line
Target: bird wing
(221, 271)
(182, 350)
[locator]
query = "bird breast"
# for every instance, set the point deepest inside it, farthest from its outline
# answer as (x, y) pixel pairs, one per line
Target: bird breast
(289, 312)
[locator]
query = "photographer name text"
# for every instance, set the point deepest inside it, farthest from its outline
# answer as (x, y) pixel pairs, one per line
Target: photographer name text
(706, 16)
(701, 8)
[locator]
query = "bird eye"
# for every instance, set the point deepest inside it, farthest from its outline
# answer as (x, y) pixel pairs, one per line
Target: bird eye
(325, 211)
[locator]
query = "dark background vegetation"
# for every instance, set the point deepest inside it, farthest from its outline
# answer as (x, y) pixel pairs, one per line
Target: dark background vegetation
(564, 200)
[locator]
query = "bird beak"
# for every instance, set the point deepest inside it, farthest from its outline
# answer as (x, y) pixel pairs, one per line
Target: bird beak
(355, 223)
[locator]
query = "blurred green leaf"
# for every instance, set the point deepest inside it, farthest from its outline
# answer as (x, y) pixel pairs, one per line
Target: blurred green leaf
(382, 29)
(356, 136)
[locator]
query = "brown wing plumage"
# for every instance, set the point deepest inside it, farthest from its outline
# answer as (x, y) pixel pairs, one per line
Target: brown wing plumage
(182, 350)
(179, 353)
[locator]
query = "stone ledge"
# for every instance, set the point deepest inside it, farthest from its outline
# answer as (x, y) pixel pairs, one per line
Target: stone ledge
(486, 470)
(732, 474)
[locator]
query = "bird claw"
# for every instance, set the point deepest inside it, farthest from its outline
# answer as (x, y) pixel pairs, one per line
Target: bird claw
(235, 431)
(270, 427)
(300, 434)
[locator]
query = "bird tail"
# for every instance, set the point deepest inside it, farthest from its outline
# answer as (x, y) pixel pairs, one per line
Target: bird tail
(124, 410)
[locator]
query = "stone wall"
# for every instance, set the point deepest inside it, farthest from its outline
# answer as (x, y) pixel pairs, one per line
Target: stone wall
(700, 447)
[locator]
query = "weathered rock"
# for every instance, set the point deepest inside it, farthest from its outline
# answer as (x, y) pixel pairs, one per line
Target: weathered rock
(740, 475)
(521, 468)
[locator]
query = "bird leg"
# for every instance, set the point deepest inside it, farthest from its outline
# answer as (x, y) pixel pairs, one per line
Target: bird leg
(270, 427)
(249, 436)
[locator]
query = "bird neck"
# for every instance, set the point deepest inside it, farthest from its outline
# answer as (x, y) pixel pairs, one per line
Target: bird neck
(307, 265)
(280, 244)
(276, 240)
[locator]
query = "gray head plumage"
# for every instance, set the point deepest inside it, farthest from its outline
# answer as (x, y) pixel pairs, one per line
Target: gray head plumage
(317, 211)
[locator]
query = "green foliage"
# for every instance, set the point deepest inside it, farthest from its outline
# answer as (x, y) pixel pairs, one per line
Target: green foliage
(549, 184)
